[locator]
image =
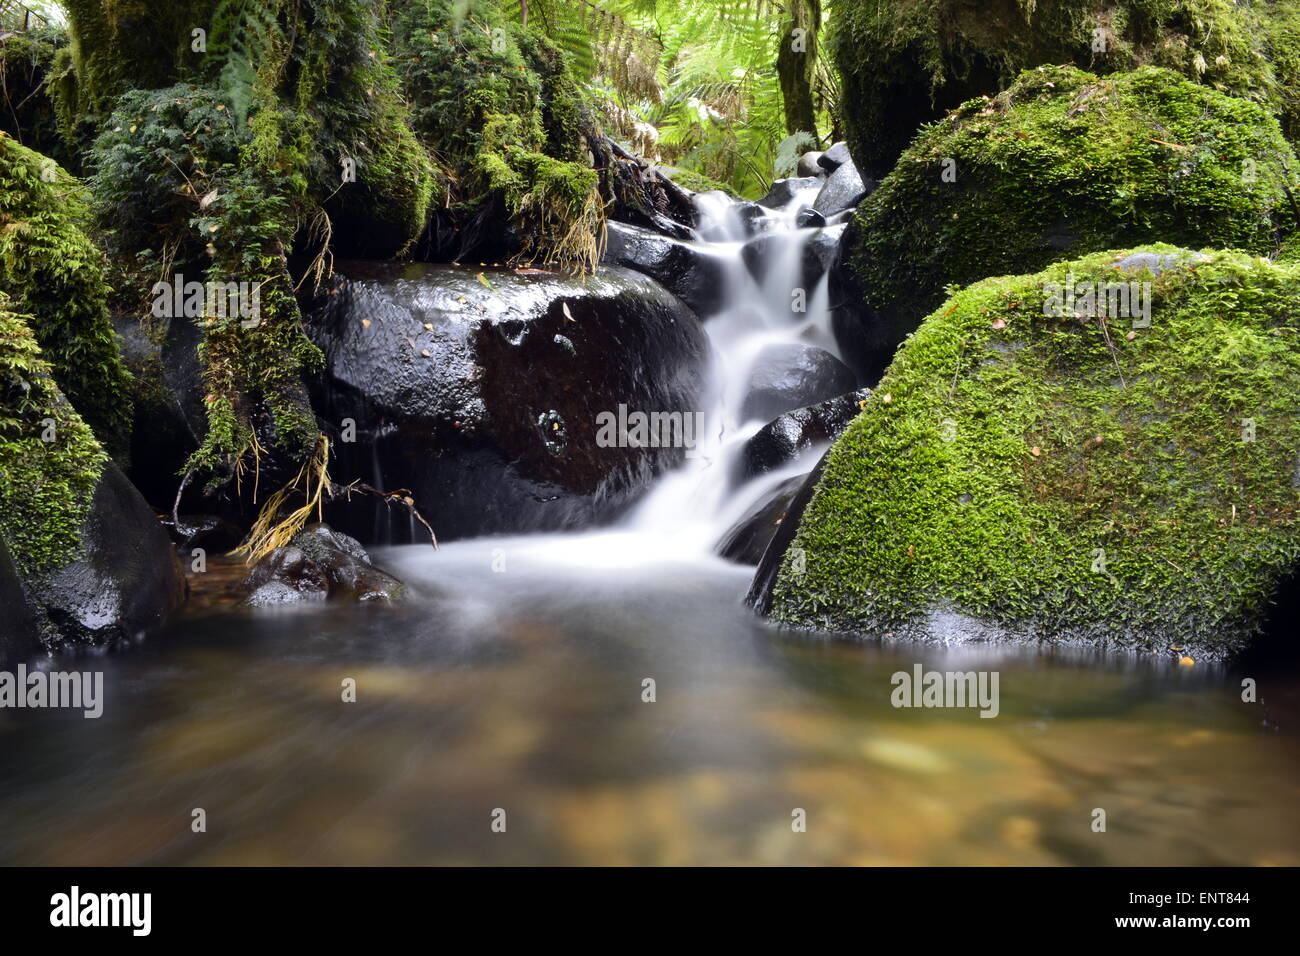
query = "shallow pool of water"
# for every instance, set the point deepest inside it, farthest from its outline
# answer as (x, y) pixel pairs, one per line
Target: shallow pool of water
(513, 680)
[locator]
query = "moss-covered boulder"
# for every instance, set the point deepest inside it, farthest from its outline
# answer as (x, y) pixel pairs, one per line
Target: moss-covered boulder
(1061, 164)
(55, 274)
(1042, 463)
(82, 558)
(906, 62)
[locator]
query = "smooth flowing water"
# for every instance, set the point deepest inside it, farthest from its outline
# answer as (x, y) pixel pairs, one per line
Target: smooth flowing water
(512, 685)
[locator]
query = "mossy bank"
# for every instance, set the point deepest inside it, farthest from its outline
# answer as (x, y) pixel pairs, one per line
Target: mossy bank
(1071, 477)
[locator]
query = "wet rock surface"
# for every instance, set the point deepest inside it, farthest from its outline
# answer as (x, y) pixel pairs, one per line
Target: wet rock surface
(844, 189)
(319, 564)
(788, 436)
(784, 190)
(789, 376)
(460, 388)
(685, 270)
(126, 581)
(749, 537)
(834, 158)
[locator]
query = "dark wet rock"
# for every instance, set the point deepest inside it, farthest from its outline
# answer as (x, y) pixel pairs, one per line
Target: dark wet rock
(126, 581)
(20, 624)
(168, 393)
(789, 376)
(692, 274)
(759, 596)
(212, 533)
(784, 190)
(451, 384)
(809, 218)
(749, 537)
(835, 157)
(809, 164)
(318, 564)
(844, 189)
(788, 436)
(865, 339)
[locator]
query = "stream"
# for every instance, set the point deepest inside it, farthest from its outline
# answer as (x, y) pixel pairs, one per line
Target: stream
(512, 686)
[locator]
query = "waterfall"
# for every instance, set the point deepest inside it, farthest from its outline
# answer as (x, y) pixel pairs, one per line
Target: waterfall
(696, 503)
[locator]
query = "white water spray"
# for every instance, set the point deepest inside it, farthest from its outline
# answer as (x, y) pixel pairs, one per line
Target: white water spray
(689, 509)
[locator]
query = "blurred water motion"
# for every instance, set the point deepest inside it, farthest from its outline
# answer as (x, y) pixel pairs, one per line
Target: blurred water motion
(521, 689)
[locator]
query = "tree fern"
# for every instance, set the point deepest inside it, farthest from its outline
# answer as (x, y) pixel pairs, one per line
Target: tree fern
(244, 37)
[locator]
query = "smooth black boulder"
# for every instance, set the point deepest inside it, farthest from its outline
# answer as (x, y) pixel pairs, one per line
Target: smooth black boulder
(748, 538)
(788, 436)
(483, 394)
(789, 376)
(689, 272)
(809, 218)
(784, 190)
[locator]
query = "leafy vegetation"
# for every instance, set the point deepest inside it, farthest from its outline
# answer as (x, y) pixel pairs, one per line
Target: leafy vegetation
(50, 461)
(55, 274)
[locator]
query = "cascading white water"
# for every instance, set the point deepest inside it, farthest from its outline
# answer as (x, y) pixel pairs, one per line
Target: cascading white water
(695, 504)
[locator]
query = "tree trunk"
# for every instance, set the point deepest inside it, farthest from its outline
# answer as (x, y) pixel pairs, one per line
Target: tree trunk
(796, 65)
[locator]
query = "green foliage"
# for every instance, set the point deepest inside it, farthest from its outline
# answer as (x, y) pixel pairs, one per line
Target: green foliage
(28, 113)
(176, 165)
(45, 486)
(1064, 163)
(55, 274)
(496, 104)
(1004, 448)
(905, 62)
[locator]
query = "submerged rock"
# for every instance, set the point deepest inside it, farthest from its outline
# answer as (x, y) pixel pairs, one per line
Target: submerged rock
(455, 381)
(789, 376)
(318, 564)
(1068, 475)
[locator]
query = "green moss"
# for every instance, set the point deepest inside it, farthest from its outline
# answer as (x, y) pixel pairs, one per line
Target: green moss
(698, 182)
(904, 62)
(1004, 451)
(46, 486)
(498, 105)
(28, 112)
(54, 273)
(1065, 163)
